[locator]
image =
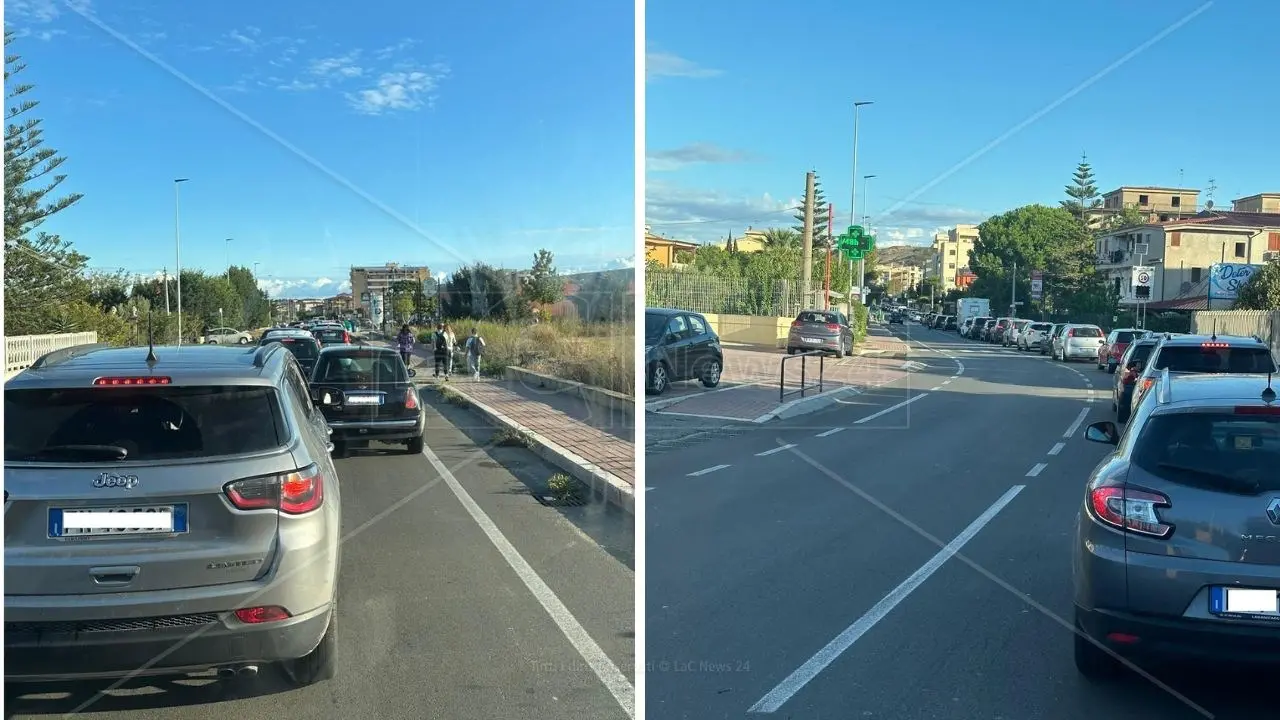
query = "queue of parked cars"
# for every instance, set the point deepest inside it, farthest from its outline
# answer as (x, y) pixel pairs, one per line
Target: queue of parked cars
(173, 510)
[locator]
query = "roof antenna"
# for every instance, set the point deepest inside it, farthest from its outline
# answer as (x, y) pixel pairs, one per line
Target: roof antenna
(151, 343)
(1214, 336)
(1268, 395)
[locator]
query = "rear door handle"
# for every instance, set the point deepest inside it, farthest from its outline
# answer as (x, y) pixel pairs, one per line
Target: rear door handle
(115, 575)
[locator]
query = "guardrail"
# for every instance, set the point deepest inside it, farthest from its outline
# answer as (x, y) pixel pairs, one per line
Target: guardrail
(804, 385)
(23, 350)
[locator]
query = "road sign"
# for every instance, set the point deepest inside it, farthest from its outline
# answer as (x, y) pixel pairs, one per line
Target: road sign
(1037, 284)
(1142, 276)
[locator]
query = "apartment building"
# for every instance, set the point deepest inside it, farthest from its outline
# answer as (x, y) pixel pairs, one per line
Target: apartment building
(1183, 250)
(1160, 204)
(377, 280)
(1260, 203)
(951, 252)
(899, 278)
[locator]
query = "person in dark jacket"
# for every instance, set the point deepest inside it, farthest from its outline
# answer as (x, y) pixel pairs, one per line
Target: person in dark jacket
(404, 343)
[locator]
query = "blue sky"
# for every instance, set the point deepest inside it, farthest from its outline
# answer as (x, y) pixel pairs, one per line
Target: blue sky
(493, 127)
(743, 98)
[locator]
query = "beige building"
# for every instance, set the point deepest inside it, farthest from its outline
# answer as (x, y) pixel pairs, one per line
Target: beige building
(1182, 250)
(1260, 203)
(1161, 204)
(899, 278)
(377, 280)
(951, 251)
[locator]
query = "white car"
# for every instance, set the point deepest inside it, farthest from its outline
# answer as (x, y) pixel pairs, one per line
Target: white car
(227, 336)
(1078, 342)
(1032, 335)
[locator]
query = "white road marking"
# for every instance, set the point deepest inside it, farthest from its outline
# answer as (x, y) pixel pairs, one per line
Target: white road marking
(708, 417)
(935, 388)
(604, 668)
(947, 381)
(794, 682)
(890, 409)
(778, 449)
(1084, 412)
(1037, 469)
(1057, 448)
(831, 432)
(704, 471)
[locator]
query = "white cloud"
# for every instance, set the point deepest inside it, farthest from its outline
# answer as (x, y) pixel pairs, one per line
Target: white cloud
(399, 90)
(247, 39)
(303, 287)
(692, 154)
(337, 68)
(664, 64)
(700, 214)
(42, 11)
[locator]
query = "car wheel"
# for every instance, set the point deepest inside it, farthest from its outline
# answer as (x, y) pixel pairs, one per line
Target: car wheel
(210, 342)
(1093, 662)
(244, 341)
(318, 665)
(710, 374)
(840, 350)
(416, 445)
(659, 379)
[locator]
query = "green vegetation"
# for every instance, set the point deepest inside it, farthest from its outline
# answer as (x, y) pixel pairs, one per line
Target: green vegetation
(510, 437)
(1262, 291)
(564, 488)
(47, 286)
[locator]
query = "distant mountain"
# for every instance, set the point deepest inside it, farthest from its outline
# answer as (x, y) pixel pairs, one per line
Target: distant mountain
(904, 255)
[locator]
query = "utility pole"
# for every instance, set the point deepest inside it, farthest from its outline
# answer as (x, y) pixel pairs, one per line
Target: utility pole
(1013, 291)
(806, 240)
(177, 249)
(853, 196)
(826, 286)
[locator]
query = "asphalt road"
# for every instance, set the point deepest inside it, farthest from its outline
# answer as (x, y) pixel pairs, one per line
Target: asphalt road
(435, 620)
(812, 581)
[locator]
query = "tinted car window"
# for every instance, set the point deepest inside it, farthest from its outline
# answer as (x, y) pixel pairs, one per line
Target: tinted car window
(1196, 359)
(1124, 336)
(1141, 353)
(654, 325)
(678, 326)
(1223, 451)
(361, 366)
(818, 317)
(302, 348)
(329, 336)
(699, 327)
(150, 423)
(1040, 327)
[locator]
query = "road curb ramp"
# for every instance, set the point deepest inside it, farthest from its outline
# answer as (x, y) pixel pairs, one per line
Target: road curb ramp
(604, 484)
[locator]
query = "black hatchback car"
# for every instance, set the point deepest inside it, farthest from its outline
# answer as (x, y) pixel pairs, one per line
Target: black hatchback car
(366, 393)
(680, 345)
(304, 346)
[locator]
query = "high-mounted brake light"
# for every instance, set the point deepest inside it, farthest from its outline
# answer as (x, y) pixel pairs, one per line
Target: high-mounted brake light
(1257, 410)
(1218, 345)
(131, 381)
(292, 493)
(411, 399)
(1130, 510)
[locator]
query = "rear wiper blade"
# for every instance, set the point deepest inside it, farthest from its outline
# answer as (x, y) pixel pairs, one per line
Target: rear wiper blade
(79, 452)
(1234, 482)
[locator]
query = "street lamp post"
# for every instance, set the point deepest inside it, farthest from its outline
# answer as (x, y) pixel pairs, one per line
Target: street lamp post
(177, 248)
(853, 195)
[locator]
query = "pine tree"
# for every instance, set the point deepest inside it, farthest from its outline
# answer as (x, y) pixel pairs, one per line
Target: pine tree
(1083, 200)
(821, 213)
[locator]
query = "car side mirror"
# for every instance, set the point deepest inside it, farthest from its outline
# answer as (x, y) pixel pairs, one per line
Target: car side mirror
(1104, 432)
(412, 372)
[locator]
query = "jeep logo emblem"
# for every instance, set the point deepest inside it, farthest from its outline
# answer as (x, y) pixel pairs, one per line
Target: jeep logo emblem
(1273, 511)
(129, 482)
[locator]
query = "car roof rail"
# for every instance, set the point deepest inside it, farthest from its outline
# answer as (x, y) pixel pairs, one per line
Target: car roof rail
(263, 352)
(65, 354)
(1164, 394)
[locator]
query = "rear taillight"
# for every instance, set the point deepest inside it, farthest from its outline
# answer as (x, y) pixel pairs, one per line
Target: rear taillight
(293, 493)
(1146, 384)
(1071, 333)
(1135, 511)
(832, 326)
(131, 381)
(796, 323)
(411, 399)
(262, 614)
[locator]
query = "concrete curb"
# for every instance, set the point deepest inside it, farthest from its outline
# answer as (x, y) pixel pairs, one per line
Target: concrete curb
(604, 484)
(598, 397)
(806, 405)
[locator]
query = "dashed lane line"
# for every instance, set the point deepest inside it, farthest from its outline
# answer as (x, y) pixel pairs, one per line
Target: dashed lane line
(1037, 469)
(1071, 431)
(705, 471)
(1057, 448)
(778, 449)
(832, 431)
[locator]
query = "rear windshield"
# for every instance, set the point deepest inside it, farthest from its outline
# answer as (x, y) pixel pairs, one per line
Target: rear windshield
(817, 317)
(1041, 327)
(1141, 353)
(1196, 359)
(329, 336)
(148, 423)
(1125, 336)
(1222, 451)
(360, 367)
(1086, 332)
(302, 348)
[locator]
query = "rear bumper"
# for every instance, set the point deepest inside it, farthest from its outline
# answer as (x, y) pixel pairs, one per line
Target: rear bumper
(1182, 640)
(802, 343)
(53, 653)
(378, 429)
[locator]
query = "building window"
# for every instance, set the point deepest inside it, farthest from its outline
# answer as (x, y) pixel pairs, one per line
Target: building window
(1240, 249)
(951, 266)
(1176, 201)
(951, 252)
(1175, 239)
(1273, 241)
(1195, 275)
(1117, 282)
(1143, 200)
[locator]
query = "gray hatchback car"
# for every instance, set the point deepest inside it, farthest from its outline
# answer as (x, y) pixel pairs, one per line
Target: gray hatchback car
(166, 512)
(820, 330)
(1177, 548)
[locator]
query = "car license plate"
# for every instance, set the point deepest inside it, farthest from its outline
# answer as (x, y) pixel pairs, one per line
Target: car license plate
(364, 399)
(813, 341)
(1255, 604)
(116, 521)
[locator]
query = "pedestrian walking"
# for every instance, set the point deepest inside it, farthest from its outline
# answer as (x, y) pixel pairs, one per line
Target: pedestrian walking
(451, 345)
(404, 343)
(475, 350)
(441, 350)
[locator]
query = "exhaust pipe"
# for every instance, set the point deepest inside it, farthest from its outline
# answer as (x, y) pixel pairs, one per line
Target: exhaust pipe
(237, 671)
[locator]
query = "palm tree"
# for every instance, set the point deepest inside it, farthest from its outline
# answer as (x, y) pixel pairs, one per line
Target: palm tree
(781, 237)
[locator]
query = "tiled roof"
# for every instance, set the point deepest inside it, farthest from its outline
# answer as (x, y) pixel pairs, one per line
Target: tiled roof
(1228, 218)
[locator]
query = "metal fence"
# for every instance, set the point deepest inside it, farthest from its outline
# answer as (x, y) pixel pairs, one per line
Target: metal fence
(1262, 323)
(706, 293)
(21, 351)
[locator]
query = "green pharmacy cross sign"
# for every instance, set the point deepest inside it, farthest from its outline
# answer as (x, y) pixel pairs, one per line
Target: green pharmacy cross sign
(855, 243)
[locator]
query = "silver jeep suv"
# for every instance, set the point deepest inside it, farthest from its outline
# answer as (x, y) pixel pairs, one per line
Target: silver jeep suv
(168, 511)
